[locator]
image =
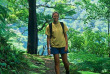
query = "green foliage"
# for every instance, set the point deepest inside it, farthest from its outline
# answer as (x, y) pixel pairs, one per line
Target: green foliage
(87, 72)
(99, 66)
(95, 42)
(12, 60)
(88, 41)
(64, 10)
(18, 11)
(105, 2)
(83, 61)
(3, 13)
(99, 10)
(81, 57)
(46, 0)
(76, 40)
(10, 57)
(92, 50)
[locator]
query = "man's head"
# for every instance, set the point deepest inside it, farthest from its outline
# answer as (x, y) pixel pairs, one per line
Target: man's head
(55, 16)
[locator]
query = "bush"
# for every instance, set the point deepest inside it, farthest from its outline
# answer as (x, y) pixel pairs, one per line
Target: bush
(89, 62)
(11, 59)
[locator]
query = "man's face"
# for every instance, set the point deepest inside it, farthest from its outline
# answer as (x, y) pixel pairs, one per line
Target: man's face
(55, 17)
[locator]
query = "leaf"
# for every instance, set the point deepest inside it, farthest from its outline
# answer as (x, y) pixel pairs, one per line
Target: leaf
(3, 64)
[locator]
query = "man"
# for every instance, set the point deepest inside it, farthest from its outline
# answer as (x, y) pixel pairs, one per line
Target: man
(58, 42)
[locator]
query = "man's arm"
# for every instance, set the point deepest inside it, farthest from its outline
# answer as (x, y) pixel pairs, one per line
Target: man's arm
(66, 38)
(66, 47)
(48, 43)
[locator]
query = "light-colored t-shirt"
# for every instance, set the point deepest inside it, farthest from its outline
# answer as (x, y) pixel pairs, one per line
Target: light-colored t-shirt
(57, 39)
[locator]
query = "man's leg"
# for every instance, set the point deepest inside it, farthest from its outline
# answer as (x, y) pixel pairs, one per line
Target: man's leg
(65, 61)
(57, 63)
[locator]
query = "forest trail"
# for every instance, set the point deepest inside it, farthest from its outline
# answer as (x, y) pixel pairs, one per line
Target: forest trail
(48, 63)
(45, 65)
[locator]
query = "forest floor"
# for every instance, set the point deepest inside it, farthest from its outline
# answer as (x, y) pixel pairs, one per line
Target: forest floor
(45, 65)
(49, 62)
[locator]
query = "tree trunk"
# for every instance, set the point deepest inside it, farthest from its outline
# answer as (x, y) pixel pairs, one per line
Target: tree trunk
(32, 26)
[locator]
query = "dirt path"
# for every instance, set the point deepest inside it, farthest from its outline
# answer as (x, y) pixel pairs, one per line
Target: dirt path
(49, 62)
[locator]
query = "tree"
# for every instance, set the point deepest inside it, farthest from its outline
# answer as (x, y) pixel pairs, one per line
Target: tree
(99, 10)
(32, 27)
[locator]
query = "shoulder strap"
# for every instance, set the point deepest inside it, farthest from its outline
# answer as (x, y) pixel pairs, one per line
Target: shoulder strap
(62, 26)
(50, 27)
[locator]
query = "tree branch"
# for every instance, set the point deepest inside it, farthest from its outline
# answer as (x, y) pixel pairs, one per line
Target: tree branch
(44, 6)
(47, 21)
(74, 18)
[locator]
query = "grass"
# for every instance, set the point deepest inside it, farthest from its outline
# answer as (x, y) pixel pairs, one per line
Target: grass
(87, 72)
(36, 64)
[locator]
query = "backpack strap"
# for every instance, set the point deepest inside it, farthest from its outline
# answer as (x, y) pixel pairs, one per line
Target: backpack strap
(50, 27)
(62, 26)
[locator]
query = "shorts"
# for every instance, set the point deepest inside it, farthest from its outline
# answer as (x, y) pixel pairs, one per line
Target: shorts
(58, 50)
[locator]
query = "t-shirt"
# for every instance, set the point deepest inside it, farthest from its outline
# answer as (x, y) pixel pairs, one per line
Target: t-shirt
(57, 39)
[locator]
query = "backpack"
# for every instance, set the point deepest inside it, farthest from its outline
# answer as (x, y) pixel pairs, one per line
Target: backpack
(50, 27)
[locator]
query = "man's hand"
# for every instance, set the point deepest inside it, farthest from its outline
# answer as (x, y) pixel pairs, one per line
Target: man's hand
(66, 48)
(49, 52)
